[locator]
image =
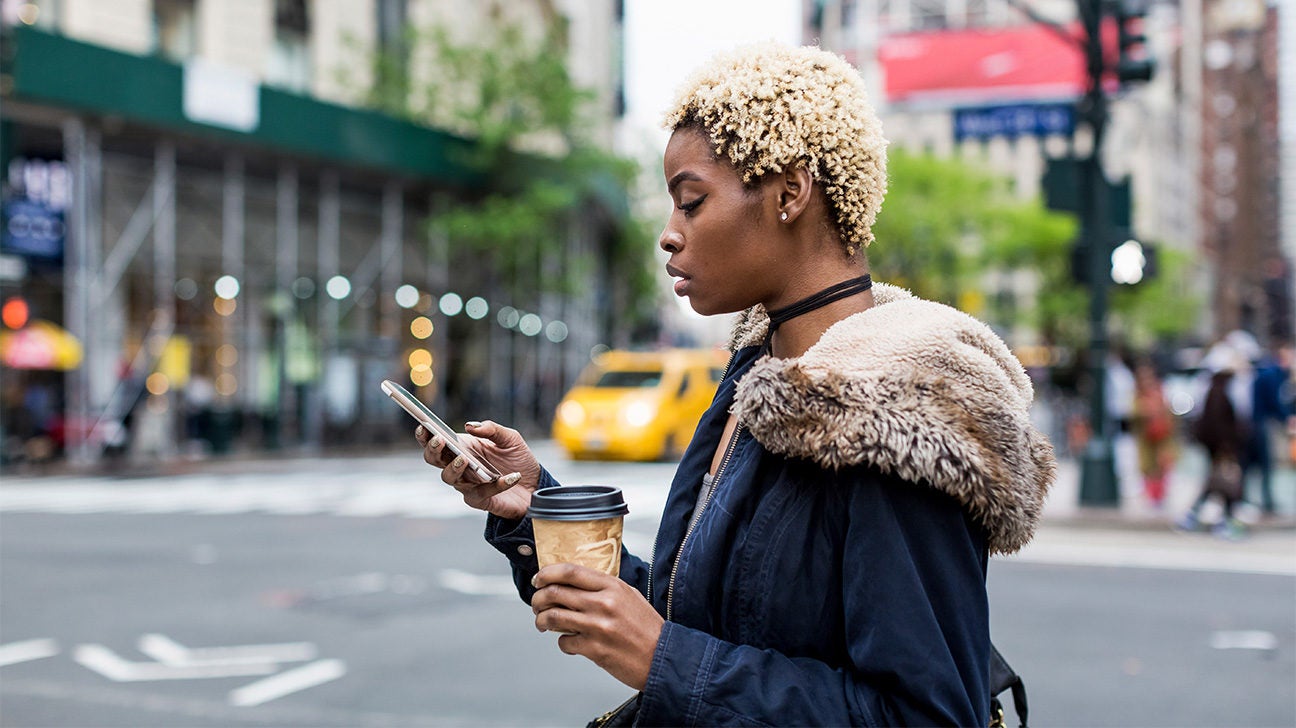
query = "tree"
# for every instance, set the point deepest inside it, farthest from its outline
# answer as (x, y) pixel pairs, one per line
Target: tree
(947, 228)
(509, 91)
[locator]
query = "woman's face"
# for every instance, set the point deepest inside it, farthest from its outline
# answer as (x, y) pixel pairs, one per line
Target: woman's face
(723, 256)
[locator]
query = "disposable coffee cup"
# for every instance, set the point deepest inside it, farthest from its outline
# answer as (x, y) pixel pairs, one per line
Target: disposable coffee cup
(579, 524)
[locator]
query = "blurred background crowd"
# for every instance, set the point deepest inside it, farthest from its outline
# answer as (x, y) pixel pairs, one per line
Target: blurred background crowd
(225, 222)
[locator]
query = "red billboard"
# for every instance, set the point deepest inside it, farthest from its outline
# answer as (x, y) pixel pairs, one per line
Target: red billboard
(982, 66)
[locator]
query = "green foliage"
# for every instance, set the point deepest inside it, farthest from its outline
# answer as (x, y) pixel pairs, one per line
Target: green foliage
(509, 91)
(949, 230)
(1159, 309)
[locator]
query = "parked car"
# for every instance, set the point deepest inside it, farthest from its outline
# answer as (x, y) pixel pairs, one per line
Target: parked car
(638, 405)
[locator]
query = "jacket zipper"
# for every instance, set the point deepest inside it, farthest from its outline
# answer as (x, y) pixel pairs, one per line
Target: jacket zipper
(653, 558)
(715, 483)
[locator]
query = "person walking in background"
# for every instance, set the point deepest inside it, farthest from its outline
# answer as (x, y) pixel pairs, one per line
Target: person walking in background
(1152, 423)
(1224, 434)
(1269, 409)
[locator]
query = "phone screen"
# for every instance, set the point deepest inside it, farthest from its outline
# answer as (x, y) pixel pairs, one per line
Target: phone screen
(425, 416)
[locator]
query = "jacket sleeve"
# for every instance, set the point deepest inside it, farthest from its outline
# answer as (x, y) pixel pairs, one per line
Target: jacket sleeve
(917, 631)
(516, 540)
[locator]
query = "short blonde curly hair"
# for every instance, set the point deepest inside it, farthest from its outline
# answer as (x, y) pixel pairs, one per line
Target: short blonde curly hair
(768, 107)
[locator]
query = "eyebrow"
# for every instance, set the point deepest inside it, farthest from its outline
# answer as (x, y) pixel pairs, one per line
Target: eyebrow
(681, 177)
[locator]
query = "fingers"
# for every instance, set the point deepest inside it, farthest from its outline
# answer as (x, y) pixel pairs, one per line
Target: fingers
(581, 577)
(503, 437)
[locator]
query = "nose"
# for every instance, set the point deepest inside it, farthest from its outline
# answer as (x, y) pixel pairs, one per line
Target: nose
(670, 240)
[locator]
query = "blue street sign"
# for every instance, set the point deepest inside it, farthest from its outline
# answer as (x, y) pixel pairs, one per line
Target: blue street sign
(31, 228)
(1012, 121)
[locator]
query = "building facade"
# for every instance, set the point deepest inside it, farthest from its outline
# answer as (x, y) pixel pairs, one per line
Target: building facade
(240, 249)
(1197, 142)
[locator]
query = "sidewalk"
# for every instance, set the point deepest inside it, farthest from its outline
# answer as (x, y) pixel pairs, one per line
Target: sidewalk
(1063, 505)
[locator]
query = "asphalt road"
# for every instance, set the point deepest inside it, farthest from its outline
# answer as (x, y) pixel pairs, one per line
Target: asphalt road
(354, 613)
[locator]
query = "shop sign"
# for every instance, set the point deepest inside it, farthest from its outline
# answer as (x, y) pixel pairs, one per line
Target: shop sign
(32, 228)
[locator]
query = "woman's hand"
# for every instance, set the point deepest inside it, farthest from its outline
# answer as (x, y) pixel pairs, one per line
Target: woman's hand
(505, 450)
(612, 624)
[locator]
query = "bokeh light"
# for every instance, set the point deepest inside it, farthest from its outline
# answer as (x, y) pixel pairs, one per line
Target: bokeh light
(157, 383)
(226, 384)
(530, 324)
(476, 308)
(186, 289)
(338, 287)
(451, 304)
(227, 287)
(407, 296)
(556, 332)
(15, 313)
(420, 358)
(421, 376)
(224, 306)
(227, 355)
(303, 288)
(421, 327)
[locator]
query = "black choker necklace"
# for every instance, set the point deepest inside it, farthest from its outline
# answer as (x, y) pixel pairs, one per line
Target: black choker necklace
(846, 288)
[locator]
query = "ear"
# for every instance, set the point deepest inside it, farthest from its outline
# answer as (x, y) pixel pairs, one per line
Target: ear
(794, 188)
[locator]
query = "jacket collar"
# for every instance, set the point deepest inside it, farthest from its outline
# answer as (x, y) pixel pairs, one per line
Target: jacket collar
(914, 388)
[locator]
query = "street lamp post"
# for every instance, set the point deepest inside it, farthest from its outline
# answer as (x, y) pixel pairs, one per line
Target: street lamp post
(1098, 472)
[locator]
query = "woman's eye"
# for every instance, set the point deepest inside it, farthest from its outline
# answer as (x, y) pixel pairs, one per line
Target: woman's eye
(688, 207)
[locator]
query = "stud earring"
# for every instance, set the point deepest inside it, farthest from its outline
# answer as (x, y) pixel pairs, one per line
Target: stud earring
(783, 216)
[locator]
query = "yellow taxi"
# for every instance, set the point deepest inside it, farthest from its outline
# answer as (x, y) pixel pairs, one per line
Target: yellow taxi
(638, 405)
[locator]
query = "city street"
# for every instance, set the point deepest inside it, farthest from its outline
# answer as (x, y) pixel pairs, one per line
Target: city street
(359, 592)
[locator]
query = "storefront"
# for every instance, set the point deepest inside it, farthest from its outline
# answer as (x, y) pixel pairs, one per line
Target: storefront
(242, 266)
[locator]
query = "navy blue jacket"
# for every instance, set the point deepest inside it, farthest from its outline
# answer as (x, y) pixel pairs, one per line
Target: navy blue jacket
(806, 595)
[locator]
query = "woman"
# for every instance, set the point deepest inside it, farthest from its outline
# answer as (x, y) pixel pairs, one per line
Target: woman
(822, 553)
(1153, 425)
(1224, 435)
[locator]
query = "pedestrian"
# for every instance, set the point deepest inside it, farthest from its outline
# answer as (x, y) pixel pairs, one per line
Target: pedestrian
(1270, 413)
(1152, 423)
(865, 453)
(1224, 434)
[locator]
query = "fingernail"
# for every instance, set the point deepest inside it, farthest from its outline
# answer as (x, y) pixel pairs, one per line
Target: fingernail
(474, 424)
(534, 585)
(511, 479)
(458, 462)
(434, 440)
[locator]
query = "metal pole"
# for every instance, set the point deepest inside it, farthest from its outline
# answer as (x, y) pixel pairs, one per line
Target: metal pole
(164, 274)
(76, 279)
(438, 282)
(330, 227)
(284, 305)
(393, 213)
(234, 330)
(1098, 473)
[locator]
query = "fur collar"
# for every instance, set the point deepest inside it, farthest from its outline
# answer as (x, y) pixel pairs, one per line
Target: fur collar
(917, 389)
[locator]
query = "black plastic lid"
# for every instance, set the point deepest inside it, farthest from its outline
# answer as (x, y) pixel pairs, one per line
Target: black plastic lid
(577, 503)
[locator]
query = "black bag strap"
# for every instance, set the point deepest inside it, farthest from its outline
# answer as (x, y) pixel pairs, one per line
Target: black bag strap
(1002, 677)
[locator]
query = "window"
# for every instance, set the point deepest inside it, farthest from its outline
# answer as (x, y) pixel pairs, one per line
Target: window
(629, 379)
(290, 63)
(175, 29)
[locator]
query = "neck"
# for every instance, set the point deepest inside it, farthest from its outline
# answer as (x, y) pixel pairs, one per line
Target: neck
(794, 336)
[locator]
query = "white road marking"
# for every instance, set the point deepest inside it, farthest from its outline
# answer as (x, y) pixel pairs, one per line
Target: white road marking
(15, 652)
(306, 676)
(1244, 639)
(169, 652)
(112, 666)
(477, 585)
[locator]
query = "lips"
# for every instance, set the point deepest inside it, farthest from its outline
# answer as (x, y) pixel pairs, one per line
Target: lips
(681, 279)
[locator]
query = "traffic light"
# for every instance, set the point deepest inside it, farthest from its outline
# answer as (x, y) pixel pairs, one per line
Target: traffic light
(1133, 64)
(1133, 262)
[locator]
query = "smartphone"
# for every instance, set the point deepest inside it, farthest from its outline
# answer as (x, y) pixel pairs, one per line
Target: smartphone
(425, 417)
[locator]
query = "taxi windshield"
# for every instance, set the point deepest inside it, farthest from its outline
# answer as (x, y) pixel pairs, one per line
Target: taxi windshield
(621, 379)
